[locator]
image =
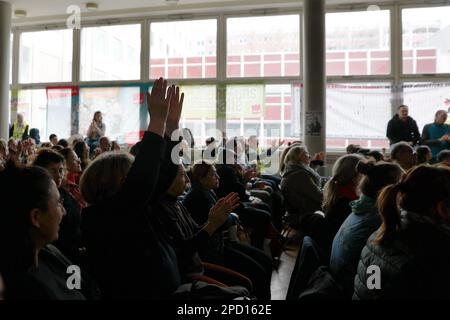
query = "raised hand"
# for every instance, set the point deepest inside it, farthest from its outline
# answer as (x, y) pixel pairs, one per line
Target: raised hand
(176, 106)
(220, 212)
(158, 105)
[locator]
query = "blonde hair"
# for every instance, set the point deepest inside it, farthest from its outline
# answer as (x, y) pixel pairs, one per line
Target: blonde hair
(283, 155)
(294, 153)
(104, 176)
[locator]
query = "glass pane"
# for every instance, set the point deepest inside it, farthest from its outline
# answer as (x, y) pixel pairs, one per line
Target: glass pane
(263, 46)
(358, 114)
(45, 56)
(424, 99)
(426, 45)
(33, 105)
(358, 43)
(59, 111)
(120, 107)
(270, 112)
(47, 110)
(199, 112)
(183, 49)
(111, 53)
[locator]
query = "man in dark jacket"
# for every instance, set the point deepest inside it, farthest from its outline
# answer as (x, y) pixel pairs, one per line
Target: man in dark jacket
(403, 128)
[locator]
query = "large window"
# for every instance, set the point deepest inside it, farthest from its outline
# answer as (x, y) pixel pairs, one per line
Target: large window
(183, 49)
(45, 56)
(120, 107)
(358, 43)
(426, 40)
(267, 111)
(263, 46)
(424, 99)
(358, 113)
(49, 110)
(111, 53)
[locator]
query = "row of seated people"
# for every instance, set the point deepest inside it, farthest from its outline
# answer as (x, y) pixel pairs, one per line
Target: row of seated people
(122, 221)
(391, 214)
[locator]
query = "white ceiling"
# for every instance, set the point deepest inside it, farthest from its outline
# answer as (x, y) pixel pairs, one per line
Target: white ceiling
(47, 10)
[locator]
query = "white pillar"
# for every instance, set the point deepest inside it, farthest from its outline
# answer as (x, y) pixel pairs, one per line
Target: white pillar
(314, 99)
(5, 34)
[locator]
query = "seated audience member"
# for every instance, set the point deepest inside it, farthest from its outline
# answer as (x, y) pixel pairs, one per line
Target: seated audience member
(403, 128)
(338, 192)
(115, 146)
(82, 151)
(47, 145)
(63, 143)
(57, 148)
(436, 135)
(375, 156)
(69, 240)
(71, 181)
(104, 144)
(412, 247)
(356, 148)
(53, 138)
(127, 252)
(253, 212)
(443, 158)
(403, 154)
(34, 134)
(188, 238)
(247, 260)
(301, 186)
(424, 155)
(361, 223)
(31, 267)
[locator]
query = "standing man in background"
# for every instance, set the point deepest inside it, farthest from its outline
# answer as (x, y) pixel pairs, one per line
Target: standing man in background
(19, 129)
(403, 128)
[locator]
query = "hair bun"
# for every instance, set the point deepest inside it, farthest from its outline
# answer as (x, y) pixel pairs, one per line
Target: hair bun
(365, 167)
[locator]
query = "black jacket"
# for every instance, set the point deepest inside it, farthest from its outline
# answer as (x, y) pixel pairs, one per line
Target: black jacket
(69, 240)
(185, 235)
(230, 181)
(126, 253)
(398, 130)
(198, 202)
(414, 265)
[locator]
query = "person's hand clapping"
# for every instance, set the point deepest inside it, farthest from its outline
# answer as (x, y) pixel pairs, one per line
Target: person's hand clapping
(220, 212)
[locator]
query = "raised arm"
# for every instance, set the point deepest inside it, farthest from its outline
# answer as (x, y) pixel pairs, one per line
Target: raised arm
(140, 182)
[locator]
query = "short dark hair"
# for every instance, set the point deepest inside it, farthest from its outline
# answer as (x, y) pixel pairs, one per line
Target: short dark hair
(63, 143)
(398, 148)
(45, 157)
(52, 136)
(402, 106)
(443, 155)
